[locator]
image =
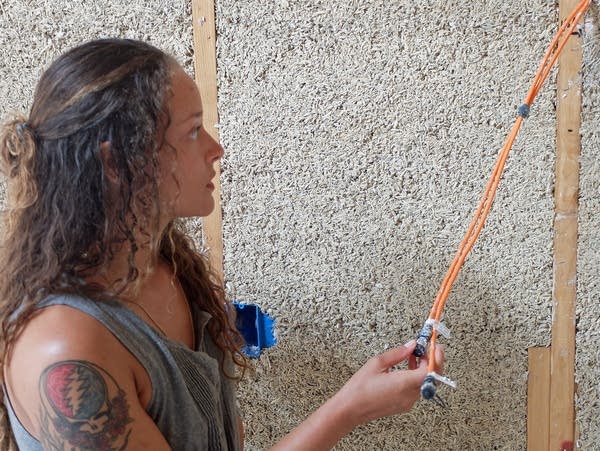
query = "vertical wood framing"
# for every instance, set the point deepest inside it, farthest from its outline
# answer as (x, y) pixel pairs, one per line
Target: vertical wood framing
(562, 364)
(538, 399)
(205, 66)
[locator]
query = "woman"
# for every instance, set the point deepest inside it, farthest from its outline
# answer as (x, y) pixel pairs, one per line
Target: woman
(115, 333)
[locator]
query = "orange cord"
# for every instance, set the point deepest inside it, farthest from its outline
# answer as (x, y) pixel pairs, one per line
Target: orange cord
(482, 211)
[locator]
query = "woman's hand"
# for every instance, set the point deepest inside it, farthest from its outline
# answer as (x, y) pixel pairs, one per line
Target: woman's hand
(377, 390)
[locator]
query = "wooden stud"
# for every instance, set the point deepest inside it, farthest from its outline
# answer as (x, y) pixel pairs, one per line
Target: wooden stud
(205, 66)
(562, 364)
(538, 399)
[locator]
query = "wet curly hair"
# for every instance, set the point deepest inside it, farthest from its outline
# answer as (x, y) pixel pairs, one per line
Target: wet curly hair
(62, 225)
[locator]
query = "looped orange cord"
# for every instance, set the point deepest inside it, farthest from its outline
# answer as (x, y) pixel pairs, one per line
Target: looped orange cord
(429, 333)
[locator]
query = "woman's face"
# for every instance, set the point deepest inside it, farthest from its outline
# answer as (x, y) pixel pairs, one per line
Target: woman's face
(188, 156)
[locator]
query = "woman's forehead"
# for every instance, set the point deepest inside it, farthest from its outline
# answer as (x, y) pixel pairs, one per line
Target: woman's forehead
(185, 100)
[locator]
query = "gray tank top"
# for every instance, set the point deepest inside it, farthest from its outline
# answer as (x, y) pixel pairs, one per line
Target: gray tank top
(192, 403)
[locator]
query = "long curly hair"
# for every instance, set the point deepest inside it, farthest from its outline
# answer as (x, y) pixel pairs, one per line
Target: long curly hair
(64, 224)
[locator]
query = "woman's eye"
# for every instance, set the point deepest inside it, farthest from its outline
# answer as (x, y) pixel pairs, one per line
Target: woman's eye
(194, 133)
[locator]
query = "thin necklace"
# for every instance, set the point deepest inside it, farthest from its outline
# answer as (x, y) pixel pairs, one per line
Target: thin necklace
(188, 310)
(141, 307)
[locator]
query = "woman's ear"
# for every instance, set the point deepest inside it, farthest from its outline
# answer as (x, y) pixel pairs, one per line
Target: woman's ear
(108, 163)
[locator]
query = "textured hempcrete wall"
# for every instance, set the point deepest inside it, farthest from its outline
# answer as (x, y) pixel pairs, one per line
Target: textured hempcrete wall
(359, 135)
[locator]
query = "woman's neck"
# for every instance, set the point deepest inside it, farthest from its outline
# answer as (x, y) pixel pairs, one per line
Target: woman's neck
(116, 275)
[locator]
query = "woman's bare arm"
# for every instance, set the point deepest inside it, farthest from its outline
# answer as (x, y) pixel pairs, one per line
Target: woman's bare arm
(74, 386)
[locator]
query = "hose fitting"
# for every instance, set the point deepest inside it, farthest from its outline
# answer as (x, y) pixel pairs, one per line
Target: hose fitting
(423, 340)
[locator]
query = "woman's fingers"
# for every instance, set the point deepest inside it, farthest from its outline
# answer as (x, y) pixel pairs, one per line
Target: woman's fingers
(412, 362)
(439, 359)
(394, 356)
(375, 391)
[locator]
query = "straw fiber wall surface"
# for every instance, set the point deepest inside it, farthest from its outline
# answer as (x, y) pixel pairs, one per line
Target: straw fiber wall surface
(359, 136)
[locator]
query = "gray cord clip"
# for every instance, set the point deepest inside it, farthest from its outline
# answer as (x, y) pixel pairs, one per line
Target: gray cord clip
(523, 111)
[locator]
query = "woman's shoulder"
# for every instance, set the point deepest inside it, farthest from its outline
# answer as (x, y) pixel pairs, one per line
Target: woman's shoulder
(58, 332)
(65, 324)
(67, 359)
(60, 336)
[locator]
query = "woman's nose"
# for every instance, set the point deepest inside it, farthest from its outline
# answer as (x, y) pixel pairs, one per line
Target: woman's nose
(216, 150)
(221, 151)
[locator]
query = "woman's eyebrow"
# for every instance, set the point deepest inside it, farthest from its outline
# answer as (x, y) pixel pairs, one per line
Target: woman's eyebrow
(195, 115)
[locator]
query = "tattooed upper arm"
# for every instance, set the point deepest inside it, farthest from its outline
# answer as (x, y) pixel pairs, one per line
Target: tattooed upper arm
(74, 386)
(82, 408)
